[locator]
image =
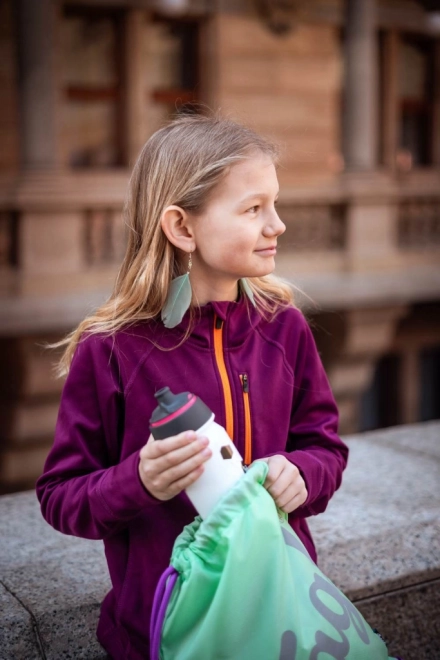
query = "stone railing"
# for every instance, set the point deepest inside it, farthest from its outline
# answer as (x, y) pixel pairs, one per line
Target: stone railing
(319, 227)
(44, 215)
(101, 236)
(419, 224)
(63, 235)
(378, 541)
(105, 237)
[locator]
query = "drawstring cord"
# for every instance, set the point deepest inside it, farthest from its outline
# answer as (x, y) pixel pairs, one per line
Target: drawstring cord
(162, 597)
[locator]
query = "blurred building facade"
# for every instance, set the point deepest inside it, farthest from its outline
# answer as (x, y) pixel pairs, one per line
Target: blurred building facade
(351, 90)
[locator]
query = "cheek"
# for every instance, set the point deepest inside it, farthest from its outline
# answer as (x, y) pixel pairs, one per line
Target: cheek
(220, 243)
(225, 242)
(235, 250)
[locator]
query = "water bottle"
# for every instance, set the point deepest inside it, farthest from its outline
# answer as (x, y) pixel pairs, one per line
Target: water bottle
(186, 412)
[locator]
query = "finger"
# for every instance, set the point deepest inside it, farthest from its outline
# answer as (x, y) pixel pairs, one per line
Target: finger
(294, 503)
(177, 486)
(179, 456)
(180, 470)
(160, 481)
(275, 469)
(285, 480)
(156, 448)
(173, 442)
(292, 491)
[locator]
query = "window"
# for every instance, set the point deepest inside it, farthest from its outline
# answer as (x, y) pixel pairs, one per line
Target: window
(415, 99)
(99, 83)
(91, 71)
(410, 116)
(174, 70)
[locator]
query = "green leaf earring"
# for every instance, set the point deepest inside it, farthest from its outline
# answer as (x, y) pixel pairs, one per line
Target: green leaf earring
(180, 295)
(178, 299)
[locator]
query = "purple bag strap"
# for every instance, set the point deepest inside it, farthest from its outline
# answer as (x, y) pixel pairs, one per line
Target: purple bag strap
(162, 597)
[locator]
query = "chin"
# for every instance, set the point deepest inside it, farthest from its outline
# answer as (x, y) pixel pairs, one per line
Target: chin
(260, 270)
(266, 271)
(260, 273)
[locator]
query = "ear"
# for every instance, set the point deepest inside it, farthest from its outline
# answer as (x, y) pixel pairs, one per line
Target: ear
(176, 225)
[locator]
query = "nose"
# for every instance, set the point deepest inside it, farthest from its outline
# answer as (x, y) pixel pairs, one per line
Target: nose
(275, 226)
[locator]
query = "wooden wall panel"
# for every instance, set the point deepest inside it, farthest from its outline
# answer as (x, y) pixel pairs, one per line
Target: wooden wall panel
(316, 75)
(283, 112)
(247, 34)
(288, 88)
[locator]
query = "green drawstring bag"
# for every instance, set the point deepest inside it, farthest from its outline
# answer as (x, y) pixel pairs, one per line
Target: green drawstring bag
(242, 586)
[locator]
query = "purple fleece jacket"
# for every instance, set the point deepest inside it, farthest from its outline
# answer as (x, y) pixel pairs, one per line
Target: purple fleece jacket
(90, 486)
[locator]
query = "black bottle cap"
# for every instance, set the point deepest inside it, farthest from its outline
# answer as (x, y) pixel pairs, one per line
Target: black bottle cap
(176, 413)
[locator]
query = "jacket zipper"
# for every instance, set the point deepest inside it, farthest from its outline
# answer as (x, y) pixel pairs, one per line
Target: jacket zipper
(247, 420)
(220, 360)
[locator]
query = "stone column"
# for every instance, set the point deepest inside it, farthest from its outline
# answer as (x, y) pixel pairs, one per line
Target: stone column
(134, 79)
(360, 123)
(436, 127)
(37, 83)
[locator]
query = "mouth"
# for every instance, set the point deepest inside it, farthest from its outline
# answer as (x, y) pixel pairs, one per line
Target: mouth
(267, 252)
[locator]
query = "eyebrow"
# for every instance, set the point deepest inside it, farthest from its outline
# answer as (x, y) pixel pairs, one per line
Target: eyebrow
(257, 194)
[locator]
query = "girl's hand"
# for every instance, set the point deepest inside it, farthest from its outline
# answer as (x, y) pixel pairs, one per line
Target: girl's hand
(285, 483)
(166, 467)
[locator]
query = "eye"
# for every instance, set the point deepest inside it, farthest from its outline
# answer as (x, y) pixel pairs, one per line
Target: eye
(253, 209)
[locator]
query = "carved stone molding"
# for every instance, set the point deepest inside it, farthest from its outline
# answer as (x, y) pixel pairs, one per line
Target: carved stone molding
(278, 15)
(419, 224)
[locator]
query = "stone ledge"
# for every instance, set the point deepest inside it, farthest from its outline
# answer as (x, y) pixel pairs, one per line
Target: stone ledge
(383, 526)
(31, 313)
(378, 540)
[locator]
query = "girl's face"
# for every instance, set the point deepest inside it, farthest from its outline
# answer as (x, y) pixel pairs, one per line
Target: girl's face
(236, 234)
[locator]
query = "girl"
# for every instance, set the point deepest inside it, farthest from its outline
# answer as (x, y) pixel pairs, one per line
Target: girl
(201, 208)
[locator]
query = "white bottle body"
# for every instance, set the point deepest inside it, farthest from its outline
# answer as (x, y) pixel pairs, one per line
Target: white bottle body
(220, 473)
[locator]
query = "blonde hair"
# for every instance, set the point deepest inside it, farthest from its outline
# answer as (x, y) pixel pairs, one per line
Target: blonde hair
(180, 164)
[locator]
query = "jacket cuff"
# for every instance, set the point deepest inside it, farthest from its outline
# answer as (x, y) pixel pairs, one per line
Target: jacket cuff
(313, 474)
(121, 490)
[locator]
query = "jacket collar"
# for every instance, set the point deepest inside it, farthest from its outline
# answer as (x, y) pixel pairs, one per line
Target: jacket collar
(239, 320)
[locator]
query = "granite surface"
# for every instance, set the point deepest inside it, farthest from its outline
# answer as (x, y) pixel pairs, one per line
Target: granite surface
(408, 620)
(17, 631)
(60, 579)
(381, 530)
(379, 541)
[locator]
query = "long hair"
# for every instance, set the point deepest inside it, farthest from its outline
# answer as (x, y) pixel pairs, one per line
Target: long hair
(180, 164)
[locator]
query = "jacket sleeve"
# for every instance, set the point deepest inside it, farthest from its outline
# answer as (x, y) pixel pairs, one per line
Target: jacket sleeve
(313, 444)
(84, 490)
